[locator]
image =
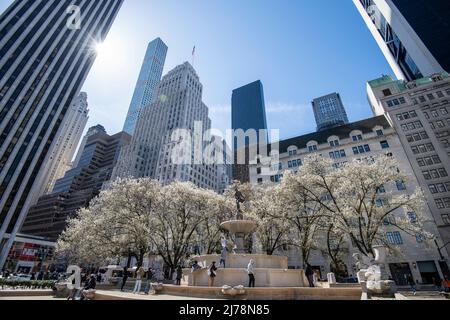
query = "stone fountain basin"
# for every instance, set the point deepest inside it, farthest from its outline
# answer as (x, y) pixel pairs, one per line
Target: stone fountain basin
(241, 261)
(240, 226)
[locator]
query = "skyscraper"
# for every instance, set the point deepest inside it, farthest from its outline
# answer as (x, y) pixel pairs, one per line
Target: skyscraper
(48, 218)
(45, 56)
(67, 142)
(150, 152)
(412, 34)
(148, 81)
(248, 113)
(329, 112)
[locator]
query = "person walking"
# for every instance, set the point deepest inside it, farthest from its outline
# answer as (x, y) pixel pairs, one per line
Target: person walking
(148, 284)
(251, 274)
(179, 275)
(412, 283)
(309, 272)
(139, 276)
(124, 278)
(212, 273)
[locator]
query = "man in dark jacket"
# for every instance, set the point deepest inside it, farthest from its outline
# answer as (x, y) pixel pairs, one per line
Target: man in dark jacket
(310, 275)
(124, 278)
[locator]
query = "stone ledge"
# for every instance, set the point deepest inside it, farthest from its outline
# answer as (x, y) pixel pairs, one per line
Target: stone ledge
(25, 293)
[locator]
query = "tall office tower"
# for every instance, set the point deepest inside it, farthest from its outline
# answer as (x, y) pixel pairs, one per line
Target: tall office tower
(148, 81)
(412, 34)
(248, 113)
(78, 186)
(329, 112)
(179, 106)
(92, 131)
(420, 112)
(67, 142)
(45, 56)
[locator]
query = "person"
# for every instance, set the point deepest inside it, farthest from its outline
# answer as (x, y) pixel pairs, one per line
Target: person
(91, 283)
(310, 275)
(437, 283)
(195, 267)
(139, 276)
(446, 285)
(251, 274)
(33, 276)
(212, 273)
(99, 277)
(179, 275)
(223, 257)
(412, 283)
(124, 278)
(148, 284)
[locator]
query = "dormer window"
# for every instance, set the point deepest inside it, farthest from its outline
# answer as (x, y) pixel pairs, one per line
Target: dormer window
(312, 146)
(293, 152)
(357, 137)
(334, 142)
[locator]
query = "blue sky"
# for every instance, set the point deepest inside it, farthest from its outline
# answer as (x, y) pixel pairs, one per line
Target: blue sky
(299, 49)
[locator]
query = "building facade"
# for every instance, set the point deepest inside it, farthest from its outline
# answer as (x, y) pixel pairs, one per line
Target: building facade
(248, 113)
(329, 111)
(45, 56)
(360, 140)
(67, 143)
(151, 151)
(420, 112)
(147, 84)
(412, 34)
(77, 188)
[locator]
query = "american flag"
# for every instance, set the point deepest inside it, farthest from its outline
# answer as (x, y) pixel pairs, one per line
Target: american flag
(193, 51)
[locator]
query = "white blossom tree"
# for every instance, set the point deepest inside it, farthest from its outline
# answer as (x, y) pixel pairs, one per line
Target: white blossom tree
(360, 197)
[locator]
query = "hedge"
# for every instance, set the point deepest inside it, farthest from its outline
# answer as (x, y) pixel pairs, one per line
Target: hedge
(27, 284)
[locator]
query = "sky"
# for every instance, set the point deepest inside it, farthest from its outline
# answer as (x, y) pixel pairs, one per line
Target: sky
(299, 49)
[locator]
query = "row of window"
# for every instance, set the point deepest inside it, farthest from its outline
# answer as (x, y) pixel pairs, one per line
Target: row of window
(294, 163)
(435, 113)
(429, 161)
(406, 115)
(440, 124)
(423, 148)
(435, 174)
(412, 126)
(439, 187)
(396, 102)
(430, 97)
(417, 137)
(443, 203)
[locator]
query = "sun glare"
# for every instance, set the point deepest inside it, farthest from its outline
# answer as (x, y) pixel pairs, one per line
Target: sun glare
(110, 53)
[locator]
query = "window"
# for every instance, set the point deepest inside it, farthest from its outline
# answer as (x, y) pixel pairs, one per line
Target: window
(380, 133)
(258, 171)
(434, 113)
(394, 238)
(444, 111)
(401, 186)
(334, 143)
(430, 96)
(361, 149)
(260, 180)
(312, 148)
(387, 92)
(440, 204)
(420, 238)
(357, 138)
(440, 94)
(384, 145)
(446, 218)
(338, 154)
(292, 152)
(381, 189)
(412, 216)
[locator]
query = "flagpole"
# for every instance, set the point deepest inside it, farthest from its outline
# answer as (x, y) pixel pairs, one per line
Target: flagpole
(193, 57)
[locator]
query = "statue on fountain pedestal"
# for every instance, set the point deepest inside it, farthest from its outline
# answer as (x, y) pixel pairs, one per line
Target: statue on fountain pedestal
(239, 199)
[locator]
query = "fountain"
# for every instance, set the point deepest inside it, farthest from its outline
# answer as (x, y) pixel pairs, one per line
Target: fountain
(270, 271)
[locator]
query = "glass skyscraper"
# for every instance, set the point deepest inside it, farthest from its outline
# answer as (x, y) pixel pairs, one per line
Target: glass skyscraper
(149, 78)
(45, 56)
(329, 112)
(248, 113)
(413, 34)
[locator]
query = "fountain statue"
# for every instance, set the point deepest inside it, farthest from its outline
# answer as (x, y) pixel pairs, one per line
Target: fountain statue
(239, 227)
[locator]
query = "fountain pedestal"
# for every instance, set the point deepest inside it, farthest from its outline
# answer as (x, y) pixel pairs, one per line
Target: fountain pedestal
(240, 229)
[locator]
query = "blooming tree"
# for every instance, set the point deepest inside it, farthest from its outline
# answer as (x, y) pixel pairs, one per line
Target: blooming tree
(360, 199)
